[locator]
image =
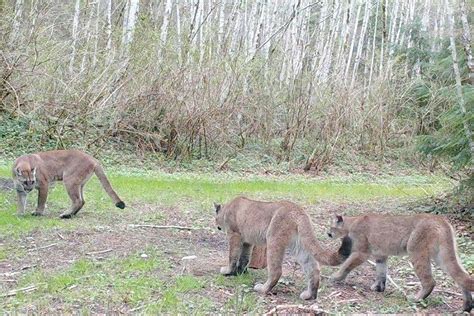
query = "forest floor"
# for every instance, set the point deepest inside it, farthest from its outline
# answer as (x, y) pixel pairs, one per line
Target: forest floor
(102, 262)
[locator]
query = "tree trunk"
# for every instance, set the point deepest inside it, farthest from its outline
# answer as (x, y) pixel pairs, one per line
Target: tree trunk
(75, 27)
(108, 27)
(466, 41)
(461, 101)
(19, 6)
(349, 59)
(164, 28)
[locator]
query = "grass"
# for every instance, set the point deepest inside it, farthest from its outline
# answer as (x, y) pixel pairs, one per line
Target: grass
(199, 191)
(153, 284)
(92, 282)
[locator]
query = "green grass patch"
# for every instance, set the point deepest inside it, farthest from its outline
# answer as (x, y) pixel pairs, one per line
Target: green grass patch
(200, 190)
(128, 281)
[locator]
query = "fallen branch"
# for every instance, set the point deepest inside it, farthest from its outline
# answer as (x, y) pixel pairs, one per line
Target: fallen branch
(137, 308)
(44, 247)
(28, 267)
(299, 308)
(163, 227)
(348, 301)
(391, 281)
(24, 290)
(98, 252)
(447, 292)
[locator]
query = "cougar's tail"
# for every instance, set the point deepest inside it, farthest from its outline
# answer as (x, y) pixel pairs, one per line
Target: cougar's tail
(99, 172)
(311, 244)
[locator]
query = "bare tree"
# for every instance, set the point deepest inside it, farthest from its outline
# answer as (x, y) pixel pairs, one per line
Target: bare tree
(457, 75)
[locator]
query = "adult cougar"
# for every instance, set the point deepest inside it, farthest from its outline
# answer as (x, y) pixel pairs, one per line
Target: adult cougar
(73, 167)
(422, 237)
(279, 225)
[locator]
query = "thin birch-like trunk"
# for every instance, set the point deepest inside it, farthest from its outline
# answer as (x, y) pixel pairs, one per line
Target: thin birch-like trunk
(360, 45)
(75, 28)
(372, 59)
(164, 28)
(96, 34)
(126, 12)
(466, 40)
(17, 19)
(178, 33)
(108, 28)
(87, 30)
(130, 26)
(349, 59)
(457, 75)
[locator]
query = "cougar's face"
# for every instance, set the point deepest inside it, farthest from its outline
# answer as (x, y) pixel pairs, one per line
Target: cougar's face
(219, 216)
(26, 179)
(336, 228)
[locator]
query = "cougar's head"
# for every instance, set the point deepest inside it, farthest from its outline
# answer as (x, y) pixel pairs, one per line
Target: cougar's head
(219, 216)
(337, 229)
(25, 177)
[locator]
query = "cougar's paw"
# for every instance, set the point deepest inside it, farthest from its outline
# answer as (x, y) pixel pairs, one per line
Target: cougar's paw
(226, 271)
(335, 278)
(414, 298)
(120, 205)
(65, 215)
(36, 213)
(307, 295)
(260, 288)
(378, 287)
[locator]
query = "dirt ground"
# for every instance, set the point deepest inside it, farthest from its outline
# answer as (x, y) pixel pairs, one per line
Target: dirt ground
(56, 249)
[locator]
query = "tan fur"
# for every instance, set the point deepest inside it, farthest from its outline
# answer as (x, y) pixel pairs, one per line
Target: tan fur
(422, 237)
(73, 167)
(279, 225)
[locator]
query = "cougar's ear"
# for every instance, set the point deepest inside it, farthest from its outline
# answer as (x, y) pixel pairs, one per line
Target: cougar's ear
(217, 207)
(339, 219)
(17, 171)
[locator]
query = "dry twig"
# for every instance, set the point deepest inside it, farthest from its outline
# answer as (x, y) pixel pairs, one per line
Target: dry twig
(44, 247)
(24, 290)
(163, 227)
(98, 252)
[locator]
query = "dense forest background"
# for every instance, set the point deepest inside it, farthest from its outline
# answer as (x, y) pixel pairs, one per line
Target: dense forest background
(300, 82)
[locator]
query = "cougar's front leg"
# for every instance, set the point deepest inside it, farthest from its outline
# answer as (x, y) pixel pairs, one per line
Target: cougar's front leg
(354, 260)
(21, 202)
(381, 268)
(42, 196)
(244, 258)
(235, 249)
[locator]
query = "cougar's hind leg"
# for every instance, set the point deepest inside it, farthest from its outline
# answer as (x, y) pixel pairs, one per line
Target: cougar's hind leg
(81, 196)
(311, 270)
(421, 262)
(275, 254)
(419, 250)
(244, 259)
(279, 235)
(381, 270)
(74, 192)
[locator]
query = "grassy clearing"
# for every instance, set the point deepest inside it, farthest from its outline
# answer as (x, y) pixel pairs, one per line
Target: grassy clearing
(199, 191)
(152, 284)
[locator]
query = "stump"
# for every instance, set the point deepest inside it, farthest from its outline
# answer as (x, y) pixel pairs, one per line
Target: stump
(259, 258)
